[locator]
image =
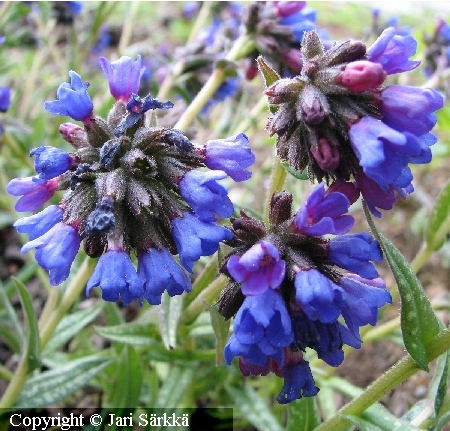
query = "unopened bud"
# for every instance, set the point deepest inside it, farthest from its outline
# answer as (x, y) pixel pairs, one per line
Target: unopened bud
(284, 91)
(280, 208)
(294, 60)
(74, 135)
(288, 8)
(312, 107)
(326, 155)
(362, 75)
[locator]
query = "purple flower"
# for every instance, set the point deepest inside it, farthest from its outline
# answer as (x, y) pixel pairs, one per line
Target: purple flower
(56, 250)
(124, 76)
(262, 329)
(51, 162)
(116, 276)
(410, 109)
(34, 192)
(73, 99)
(5, 98)
(324, 213)
(40, 223)
(315, 294)
(231, 155)
(354, 253)
(194, 238)
(258, 269)
(359, 300)
(160, 271)
(393, 51)
(205, 196)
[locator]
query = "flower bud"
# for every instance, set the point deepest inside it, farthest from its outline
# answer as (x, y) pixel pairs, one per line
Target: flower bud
(294, 60)
(326, 155)
(74, 135)
(362, 75)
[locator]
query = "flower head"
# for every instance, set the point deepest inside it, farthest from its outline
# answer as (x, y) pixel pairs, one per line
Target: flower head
(285, 276)
(337, 120)
(73, 99)
(124, 76)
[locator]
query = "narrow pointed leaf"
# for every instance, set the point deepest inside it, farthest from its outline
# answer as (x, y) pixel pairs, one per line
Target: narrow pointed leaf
(55, 385)
(253, 408)
(438, 223)
(72, 325)
(442, 387)
(32, 349)
(300, 175)
(419, 323)
(303, 415)
(127, 386)
(169, 316)
(221, 329)
(136, 334)
(175, 386)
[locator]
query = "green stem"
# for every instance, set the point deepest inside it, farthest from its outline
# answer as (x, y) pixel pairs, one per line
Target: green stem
(251, 119)
(200, 22)
(277, 178)
(403, 369)
(209, 295)
(243, 46)
(5, 374)
(128, 26)
(71, 294)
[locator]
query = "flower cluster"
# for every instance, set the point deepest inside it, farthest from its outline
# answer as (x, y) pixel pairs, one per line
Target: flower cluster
(277, 28)
(289, 294)
(339, 121)
(132, 190)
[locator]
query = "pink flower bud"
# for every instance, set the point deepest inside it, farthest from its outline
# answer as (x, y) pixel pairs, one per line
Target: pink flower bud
(362, 75)
(288, 8)
(74, 135)
(326, 155)
(294, 60)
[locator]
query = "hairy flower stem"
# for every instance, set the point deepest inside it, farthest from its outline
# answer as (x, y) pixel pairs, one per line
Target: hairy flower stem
(242, 47)
(208, 295)
(48, 328)
(399, 372)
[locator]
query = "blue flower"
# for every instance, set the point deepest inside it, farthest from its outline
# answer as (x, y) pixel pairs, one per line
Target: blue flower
(161, 272)
(124, 76)
(5, 99)
(73, 99)
(258, 269)
(298, 383)
(410, 109)
(51, 162)
(231, 155)
(227, 89)
(393, 51)
(354, 253)
(299, 22)
(34, 192)
(40, 223)
(359, 300)
(324, 213)
(205, 196)
(315, 294)
(194, 238)
(262, 329)
(116, 276)
(56, 250)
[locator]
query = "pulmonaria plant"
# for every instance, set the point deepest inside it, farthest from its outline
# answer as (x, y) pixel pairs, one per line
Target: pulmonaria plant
(289, 291)
(132, 191)
(339, 120)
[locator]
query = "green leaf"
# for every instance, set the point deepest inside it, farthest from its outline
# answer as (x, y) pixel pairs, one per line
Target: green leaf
(253, 408)
(442, 387)
(221, 329)
(438, 224)
(32, 350)
(300, 175)
(136, 334)
(419, 323)
(169, 316)
(127, 387)
(55, 385)
(362, 424)
(270, 76)
(70, 326)
(303, 415)
(441, 422)
(175, 386)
